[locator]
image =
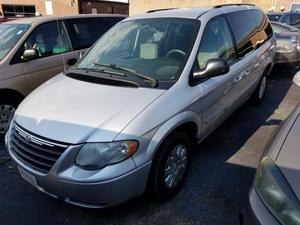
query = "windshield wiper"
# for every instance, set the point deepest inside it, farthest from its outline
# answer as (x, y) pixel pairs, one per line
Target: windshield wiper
(131, 71)
(98, 70)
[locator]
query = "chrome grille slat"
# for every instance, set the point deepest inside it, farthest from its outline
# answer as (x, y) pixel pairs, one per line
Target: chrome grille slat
(34, 151)
(31, 165)
(20, 152)
(38, 148)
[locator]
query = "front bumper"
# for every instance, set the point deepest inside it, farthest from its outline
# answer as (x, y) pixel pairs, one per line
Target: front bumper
(108, 187)
(255, 213)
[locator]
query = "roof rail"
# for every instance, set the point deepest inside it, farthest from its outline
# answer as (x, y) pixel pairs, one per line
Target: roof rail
(157, 10)
(233, 4)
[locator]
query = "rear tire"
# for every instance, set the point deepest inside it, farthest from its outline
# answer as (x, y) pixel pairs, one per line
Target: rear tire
(260, 90)
(170, 167)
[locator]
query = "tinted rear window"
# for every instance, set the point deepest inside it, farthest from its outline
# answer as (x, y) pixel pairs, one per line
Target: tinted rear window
(84, 32)
(251, 28)
(243, 24)
(295, 19)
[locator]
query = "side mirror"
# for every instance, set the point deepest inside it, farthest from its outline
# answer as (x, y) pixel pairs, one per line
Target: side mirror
(214, 67)
(30, 54)
(71, 61)
(296, 79)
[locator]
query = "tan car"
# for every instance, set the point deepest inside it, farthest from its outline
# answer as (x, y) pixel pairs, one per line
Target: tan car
(32, 50)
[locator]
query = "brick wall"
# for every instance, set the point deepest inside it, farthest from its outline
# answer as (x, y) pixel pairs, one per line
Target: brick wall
(104, 7)
(60, 7)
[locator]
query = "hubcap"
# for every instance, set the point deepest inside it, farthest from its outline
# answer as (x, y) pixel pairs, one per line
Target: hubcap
(176, 166)
(262, 88)
(6, 115)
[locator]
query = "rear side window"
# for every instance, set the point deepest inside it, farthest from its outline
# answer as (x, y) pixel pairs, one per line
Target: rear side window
(285, 19)
(111, 21)
(251, 29)
(274, 17)
(84, 32)
(295, 19)
(243, 25)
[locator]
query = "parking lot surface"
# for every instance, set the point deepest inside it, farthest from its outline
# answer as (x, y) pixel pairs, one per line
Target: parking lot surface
(216, 188)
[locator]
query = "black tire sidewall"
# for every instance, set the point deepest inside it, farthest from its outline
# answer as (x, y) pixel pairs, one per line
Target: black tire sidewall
(161, 191)
(256, 97)
(9, 101)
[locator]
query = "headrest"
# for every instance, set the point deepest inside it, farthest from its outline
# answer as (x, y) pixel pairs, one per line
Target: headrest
(40, 37)
(149, 50)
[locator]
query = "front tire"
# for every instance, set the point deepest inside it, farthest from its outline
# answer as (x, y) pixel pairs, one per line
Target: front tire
(8, 107)
(170, 166)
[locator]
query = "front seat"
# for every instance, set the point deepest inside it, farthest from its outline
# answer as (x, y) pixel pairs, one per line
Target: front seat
(149, 50)
(43, 45)
(61, 46)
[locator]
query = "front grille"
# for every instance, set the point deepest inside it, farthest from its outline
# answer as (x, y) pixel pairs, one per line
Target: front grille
(34, 151)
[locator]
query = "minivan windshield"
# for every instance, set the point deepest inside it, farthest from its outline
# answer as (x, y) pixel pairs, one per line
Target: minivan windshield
(10, 34)
(149, 49)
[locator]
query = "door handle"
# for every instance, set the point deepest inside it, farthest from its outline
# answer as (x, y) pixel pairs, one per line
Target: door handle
(237, 79)
(247, 72)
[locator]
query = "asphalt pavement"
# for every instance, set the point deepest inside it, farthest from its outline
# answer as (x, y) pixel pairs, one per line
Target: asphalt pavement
(216, 188)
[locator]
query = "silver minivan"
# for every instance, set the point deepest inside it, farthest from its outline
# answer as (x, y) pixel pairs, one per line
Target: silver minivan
(126, 117)
(35, 49)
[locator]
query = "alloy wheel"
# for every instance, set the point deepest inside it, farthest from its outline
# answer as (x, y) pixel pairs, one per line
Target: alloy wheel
(176, 166)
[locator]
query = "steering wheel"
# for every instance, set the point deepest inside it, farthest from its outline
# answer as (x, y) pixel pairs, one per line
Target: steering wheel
(176, 51)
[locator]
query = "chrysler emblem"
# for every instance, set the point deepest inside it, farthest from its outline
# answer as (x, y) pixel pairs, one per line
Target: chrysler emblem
(28, 138)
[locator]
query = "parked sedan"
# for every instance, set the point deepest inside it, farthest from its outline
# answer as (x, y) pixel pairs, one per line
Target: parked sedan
(274, 197)
(288, 44)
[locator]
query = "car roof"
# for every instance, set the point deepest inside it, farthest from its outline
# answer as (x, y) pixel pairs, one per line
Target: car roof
(189, 13)
(282, 13)
(32, 20)
(276, 13)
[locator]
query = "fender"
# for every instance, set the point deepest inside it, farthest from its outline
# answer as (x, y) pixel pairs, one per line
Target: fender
(161, 132)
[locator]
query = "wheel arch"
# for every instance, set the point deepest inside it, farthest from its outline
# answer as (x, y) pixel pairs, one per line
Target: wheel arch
(187, 122)
(10, 93)
(268, 69)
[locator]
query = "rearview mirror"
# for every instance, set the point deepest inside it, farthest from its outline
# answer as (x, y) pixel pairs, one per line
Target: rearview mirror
(30, 54)
(214, 67)
(296, 79)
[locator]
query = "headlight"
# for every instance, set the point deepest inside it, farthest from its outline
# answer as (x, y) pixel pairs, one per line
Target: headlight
(98, 155)
(276, 193)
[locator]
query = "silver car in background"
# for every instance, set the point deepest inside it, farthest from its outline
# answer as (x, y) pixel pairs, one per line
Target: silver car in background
(127, 115)
(35, 49)
(287, 44)
(274, 197)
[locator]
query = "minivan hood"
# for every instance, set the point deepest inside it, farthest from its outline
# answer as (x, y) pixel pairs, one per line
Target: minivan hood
(72, 111)
(289, 156)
